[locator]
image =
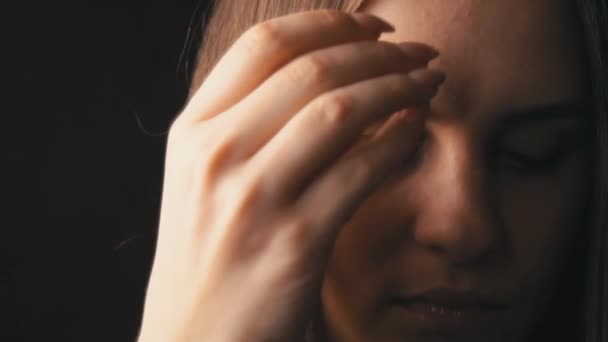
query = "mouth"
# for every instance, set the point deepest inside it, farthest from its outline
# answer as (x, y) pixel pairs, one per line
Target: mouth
(446, 309)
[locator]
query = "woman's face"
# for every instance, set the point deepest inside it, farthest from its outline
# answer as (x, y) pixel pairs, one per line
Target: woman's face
(466, 245)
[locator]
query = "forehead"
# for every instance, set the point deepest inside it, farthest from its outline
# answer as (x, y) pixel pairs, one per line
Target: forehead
(496, 53)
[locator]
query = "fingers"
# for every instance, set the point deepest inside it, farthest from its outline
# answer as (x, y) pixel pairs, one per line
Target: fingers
(326, 127)
(267, 46)
(264, 112)
(335, 196)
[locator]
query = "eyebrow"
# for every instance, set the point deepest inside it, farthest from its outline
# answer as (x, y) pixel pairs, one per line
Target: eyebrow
(579, 110)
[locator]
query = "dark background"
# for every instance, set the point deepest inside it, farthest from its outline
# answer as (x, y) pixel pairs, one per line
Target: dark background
(89, 90)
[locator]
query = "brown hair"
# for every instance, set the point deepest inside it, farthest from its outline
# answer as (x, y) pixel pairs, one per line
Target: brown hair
(228, 19)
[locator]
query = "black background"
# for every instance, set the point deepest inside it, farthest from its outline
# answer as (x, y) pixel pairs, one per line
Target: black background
(89, 90)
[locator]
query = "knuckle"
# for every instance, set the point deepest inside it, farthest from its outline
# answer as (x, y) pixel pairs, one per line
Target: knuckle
(212, 152)
(251, 193)
(299, 232)
(222, 152)
(298, 224)
(334, 109)
(219, 154)
(310, 70)
(307, 234)
(265, 33)
(269, 188)
(241, 195)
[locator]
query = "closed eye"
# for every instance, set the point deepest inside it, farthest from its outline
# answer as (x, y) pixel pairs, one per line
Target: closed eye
(533, 141)
(523, 164)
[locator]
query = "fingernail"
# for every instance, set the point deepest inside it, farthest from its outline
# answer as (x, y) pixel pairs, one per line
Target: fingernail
(428, 77)
(372, 22)
(418, 51)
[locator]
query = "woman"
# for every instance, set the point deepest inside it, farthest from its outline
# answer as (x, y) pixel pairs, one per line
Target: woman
(438, 178)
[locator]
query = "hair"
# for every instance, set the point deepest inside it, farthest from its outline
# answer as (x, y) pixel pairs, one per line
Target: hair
(225, 20)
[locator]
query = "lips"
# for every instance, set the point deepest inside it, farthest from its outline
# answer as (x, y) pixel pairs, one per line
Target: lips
(448, 309)
(453, 298)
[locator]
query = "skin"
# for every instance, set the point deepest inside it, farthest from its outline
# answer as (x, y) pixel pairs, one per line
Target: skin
(452, 220)
(273, 202)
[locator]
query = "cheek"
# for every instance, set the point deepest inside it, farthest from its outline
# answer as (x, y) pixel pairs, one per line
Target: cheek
(361, 246)
(366, 253)
(542, 217)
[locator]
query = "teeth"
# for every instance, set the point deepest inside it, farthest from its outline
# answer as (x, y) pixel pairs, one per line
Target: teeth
(439, 311)
(442, 310)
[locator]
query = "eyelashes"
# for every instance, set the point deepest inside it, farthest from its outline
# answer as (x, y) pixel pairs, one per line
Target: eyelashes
(519, 163)
(549, 151)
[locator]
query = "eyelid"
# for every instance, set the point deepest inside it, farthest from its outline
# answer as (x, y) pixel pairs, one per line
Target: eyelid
(573, 110)
(533, 159)
(544, 137)
(526, 166)
(563, 141)
(546, 161)
(573, 115)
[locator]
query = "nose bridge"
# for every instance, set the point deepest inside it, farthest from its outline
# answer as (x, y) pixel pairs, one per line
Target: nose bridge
(456, 217)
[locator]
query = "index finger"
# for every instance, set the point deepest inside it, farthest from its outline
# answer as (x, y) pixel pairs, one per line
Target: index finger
(269, 45)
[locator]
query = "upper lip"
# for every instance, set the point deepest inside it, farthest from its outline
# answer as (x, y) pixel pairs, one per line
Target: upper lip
(454, 298)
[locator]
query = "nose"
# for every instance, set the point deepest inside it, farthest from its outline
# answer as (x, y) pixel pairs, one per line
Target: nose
(455, 214)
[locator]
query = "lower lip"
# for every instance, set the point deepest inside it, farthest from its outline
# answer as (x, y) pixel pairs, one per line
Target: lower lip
(444, 317)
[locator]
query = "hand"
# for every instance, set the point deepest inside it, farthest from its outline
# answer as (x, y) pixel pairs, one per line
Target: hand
(262, 170)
